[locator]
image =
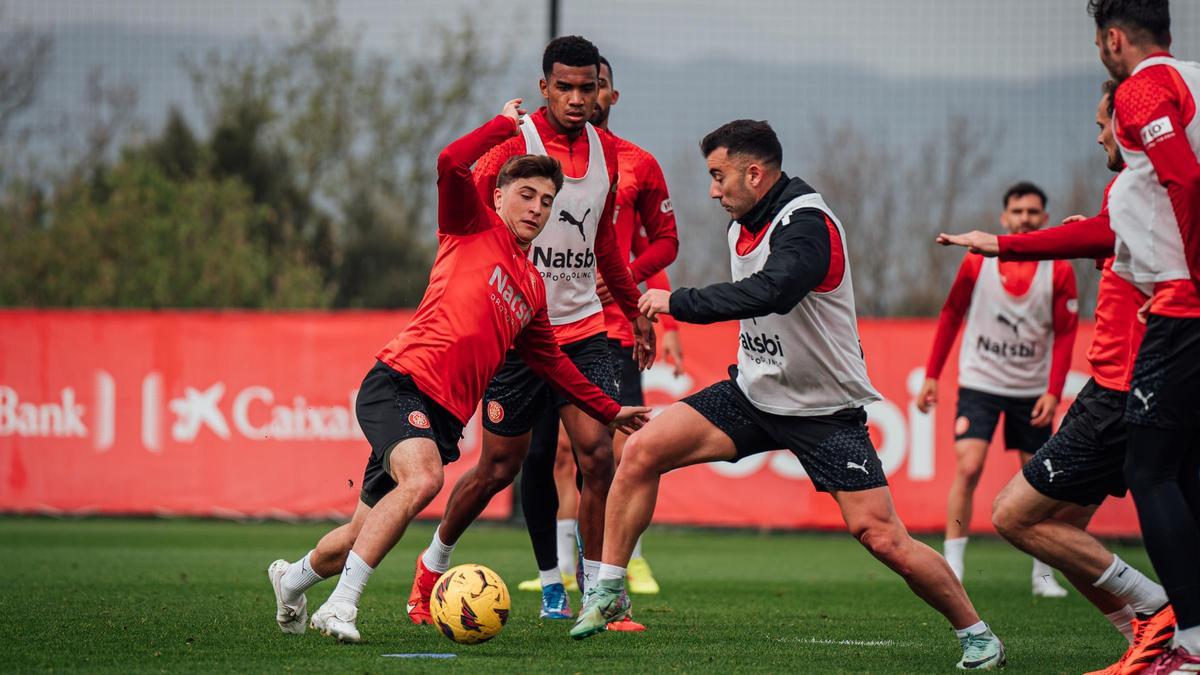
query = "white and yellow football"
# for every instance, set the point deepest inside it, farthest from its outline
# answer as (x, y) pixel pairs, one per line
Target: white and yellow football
(470, 604)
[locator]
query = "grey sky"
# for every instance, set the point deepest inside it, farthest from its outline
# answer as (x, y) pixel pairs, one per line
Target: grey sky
(1004, 39)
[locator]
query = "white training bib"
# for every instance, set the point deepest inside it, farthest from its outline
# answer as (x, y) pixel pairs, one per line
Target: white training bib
(1007, 342)
(808, 362)
(564, 253)
(1149, 247)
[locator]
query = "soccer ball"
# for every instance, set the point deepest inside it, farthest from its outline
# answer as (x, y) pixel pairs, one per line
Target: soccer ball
(470, 604)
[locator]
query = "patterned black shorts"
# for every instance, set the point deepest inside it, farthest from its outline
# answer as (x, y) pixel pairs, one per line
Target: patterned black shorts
(516, 396)
(1165, 391)
(1083, 463)
(835, 450)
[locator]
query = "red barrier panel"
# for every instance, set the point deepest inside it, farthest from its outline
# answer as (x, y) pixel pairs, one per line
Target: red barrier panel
(251, 414)
(917, 451)
(192, 413)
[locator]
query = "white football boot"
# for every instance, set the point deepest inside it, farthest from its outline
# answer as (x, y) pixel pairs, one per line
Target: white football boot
(337, 619)
(291, 618)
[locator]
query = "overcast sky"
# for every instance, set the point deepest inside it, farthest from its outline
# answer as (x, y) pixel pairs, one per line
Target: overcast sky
(1007, 39)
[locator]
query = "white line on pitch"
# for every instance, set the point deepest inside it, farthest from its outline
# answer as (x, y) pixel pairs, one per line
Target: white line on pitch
(848, 643)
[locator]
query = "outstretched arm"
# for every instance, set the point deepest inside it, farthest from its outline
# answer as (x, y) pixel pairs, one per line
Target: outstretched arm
(461, 208)
(537, 347)
(798, 263)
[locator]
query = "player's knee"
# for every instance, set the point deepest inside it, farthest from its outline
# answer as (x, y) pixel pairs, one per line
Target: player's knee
(1008, 521)
(423, 486)
(969, 472)
(883, 539)
(636, 457)
(596, 459)
(500, 475)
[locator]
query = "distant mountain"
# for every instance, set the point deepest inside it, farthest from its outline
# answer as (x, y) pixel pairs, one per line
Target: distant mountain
(1048, 124)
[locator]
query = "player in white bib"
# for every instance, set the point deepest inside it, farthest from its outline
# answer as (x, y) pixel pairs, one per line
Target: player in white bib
(1016, 351)
(1154, 208)
(800, 383)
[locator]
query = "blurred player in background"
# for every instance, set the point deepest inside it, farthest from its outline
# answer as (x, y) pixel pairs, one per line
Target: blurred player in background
(1045, 509)
(483, 298)
(800, 383)
(1016, 351)
(1154, 207)
(642, 204)
(579, 241)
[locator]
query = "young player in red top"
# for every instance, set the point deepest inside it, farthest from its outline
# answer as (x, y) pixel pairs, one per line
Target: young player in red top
(1154, 207)
(483, 298)
(1045, 509)
(642, 204)
(578, 243)
(1016, 351)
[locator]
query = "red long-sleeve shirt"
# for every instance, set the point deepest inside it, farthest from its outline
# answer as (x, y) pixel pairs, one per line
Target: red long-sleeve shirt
(1149, 96)
(572, 153)
(1017, 277)
(1118, 332)
(645, 225)
(484, 297)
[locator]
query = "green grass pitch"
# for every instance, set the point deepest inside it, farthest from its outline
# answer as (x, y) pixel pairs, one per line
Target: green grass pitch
(121, 596)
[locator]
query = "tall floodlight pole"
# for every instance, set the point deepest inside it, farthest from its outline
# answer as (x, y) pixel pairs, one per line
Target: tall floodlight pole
(553, 19)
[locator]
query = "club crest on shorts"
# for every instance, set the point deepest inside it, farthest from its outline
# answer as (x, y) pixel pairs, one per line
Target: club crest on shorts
(418, 419)
(495, 412)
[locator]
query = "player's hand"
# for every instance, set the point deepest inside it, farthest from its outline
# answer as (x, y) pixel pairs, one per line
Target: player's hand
(513, 110)
(1043, 410)
(643, 343)
(983, 243)
(673, 350)
(1143, 314)
(927, 397)
(630, 419)
(602, 290)
(1073, 219)
(654, 302)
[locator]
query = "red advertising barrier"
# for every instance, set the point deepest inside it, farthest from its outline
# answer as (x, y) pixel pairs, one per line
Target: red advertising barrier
(251, 414)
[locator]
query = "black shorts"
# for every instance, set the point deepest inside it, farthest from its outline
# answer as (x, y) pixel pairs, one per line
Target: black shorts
(835, 450)
(1083, 463)
(516, 396)
(631, 377)
(391, 409)
(1165, 391)
(979, 413)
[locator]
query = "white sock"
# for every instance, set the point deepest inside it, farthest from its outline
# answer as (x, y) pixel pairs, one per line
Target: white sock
(437, 556)
(637, 549)
(1130, 585)
(591, 570)
(353, 580)
(954, 550)
(299, 578)
(1122, 620)
(975, 629)
(549, 577)
(607, 572)
(1188, 639)
(1042, 572)
(566, 546)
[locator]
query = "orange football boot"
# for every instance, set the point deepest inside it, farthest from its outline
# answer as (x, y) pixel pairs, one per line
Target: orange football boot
(424, 580)
(1151, 639)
